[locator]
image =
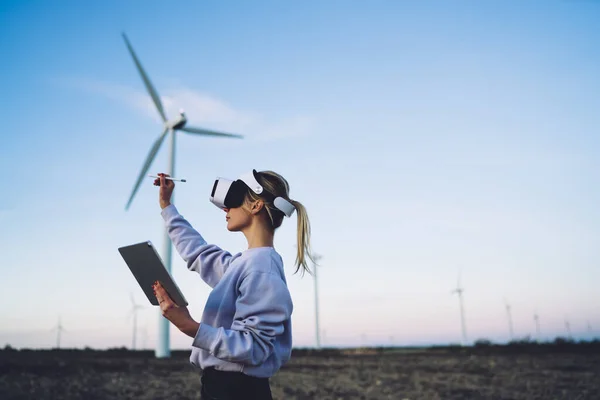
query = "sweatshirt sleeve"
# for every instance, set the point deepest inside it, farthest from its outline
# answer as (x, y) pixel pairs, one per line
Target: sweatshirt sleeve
(208, 260)
(262, 307)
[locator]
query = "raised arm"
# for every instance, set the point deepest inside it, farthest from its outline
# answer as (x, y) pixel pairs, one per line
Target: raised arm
(261, 310)
(208, 260)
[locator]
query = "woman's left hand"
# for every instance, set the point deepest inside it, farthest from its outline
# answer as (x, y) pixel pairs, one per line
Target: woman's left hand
(179, 316)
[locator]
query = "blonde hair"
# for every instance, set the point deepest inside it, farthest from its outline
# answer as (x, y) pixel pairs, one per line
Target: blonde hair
(277, 186)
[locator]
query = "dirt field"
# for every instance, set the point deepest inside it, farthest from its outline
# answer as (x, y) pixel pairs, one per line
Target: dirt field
(571, 373)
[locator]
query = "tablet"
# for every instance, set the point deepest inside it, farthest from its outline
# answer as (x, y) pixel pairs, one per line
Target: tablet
(147, 267)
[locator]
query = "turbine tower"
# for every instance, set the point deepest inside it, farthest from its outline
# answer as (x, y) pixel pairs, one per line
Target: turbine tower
(316, 258)
(363, 338)
(510, 322)
(59, 329)
(568, 328)
(459, 290)
(134, 309)
(170, 127)
(144, 337)
(536, 318)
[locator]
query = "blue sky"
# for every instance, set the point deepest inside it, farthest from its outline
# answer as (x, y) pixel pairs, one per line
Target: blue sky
(424, 138)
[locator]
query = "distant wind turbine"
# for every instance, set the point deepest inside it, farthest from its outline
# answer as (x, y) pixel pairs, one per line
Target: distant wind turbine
(459, 290)
(134, 309)
(510, 322)
(59, 329)
(170, 127)
(536, 318)
(364, 339)
(568, 328)
(316, 258)
(589, 327)
(144, 337)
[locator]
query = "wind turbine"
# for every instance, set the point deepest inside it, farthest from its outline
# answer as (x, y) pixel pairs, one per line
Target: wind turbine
(568, 328)
(316, 258)
(459, 290)
(510, 323)
(144, 337)
(59, 329)
(134, 309)
(536, 318)
(170, 127)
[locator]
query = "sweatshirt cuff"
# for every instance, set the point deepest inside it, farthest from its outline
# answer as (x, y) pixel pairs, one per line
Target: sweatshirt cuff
(205, 337)
(169, 212)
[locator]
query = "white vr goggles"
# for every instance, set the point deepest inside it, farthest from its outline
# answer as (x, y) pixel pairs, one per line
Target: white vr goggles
(230, 194)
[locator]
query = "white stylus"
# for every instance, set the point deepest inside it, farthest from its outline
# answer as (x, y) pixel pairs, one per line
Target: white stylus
(168, 177)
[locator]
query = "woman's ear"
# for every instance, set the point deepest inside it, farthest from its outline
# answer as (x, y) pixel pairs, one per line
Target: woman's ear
(257, 206)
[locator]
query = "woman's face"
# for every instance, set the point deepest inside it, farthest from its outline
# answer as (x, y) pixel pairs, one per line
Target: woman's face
(237, 218)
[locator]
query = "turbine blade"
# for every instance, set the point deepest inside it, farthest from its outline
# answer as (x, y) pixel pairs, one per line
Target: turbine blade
(149, 87)
(199, 131)
(146, 166)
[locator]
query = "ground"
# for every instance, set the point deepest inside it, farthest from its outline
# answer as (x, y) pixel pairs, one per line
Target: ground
(572, 372)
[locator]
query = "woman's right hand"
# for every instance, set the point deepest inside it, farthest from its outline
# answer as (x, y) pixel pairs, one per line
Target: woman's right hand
(166, 189)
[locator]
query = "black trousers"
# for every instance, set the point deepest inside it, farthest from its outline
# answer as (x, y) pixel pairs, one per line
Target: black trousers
(226, 385)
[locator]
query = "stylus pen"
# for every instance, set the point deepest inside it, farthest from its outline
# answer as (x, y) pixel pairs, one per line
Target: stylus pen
(168, 177)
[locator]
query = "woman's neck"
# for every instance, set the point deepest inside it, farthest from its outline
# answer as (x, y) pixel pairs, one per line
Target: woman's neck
(258, 235)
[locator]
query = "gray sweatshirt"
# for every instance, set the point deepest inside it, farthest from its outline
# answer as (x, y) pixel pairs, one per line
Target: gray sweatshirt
(246, 323)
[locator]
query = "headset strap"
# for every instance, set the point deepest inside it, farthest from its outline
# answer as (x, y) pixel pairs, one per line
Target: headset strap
(249, 178)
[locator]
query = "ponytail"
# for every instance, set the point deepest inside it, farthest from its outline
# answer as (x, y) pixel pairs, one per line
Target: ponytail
(303, 253)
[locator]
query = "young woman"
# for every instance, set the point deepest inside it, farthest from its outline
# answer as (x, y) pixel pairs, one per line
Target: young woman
(245, 334)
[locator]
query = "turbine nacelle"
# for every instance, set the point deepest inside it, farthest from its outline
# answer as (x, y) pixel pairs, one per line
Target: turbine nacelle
(176, 123)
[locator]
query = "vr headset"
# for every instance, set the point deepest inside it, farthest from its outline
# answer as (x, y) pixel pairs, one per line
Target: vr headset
(230, 194)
